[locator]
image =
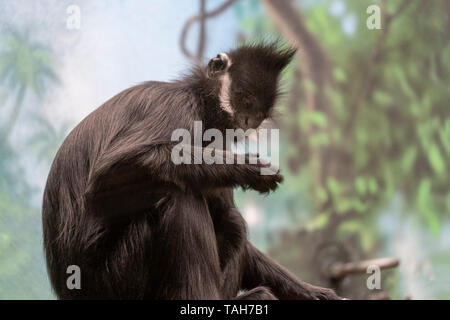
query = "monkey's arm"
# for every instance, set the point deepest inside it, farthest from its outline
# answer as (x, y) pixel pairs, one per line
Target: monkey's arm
(130, 163)
(261, 270)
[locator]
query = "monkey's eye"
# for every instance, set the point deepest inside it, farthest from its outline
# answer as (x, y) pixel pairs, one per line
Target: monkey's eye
(260, 116)
(246, 102)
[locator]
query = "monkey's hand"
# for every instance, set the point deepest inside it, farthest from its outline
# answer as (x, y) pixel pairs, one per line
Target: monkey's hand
(261, 175)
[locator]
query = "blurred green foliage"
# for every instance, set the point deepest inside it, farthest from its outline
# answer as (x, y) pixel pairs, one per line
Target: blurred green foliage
(386, 132)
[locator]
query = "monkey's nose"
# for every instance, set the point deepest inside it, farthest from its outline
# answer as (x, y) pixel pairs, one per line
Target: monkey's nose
(250, 123)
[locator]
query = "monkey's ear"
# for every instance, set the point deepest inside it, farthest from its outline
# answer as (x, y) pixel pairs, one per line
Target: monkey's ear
(218, 65)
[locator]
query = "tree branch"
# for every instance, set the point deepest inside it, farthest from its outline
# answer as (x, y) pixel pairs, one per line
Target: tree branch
(314, 66)
(339, 270)
(195, 18)
(369, 72)
(202, 34)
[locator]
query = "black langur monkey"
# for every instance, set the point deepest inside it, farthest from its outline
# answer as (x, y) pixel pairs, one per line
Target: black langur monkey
(140, 226)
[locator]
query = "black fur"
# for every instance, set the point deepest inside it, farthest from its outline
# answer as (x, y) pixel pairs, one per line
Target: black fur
(141, 227)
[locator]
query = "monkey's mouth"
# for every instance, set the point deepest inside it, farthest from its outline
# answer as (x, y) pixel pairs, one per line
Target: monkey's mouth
(248, 125)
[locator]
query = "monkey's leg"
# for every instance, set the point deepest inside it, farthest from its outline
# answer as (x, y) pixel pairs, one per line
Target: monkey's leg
(261, 270)
(123, 166)
(258, 293)
(231, 237)
(232, 241)
(185, 263)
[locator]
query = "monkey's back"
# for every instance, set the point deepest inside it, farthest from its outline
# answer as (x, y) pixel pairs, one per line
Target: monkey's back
(88, 233)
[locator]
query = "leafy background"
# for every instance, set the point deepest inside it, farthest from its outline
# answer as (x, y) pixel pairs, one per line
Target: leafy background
(367, 172)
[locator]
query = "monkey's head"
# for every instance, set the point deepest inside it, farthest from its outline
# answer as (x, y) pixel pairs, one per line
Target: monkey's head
(248, 82)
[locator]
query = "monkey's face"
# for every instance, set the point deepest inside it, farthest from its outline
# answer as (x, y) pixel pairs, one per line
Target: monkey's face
(252, 96)
(248, 79)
